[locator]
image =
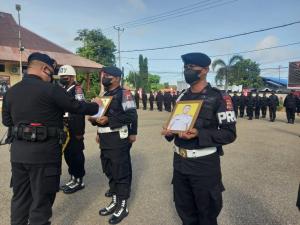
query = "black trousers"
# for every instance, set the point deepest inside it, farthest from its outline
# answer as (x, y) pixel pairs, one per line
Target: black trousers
(242, 111)
(144, 105)
(195, 205)
(137, 102)
(250, 111)
(151, 105)
(264, 111)
(159, 106)
(116, 164)
(74, 157)
(290, 114)
(34, 190)
(272, 111)
(236, 111)
(168, 106)
(257, 112)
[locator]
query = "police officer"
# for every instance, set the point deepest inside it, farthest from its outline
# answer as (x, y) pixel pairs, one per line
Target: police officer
(273, 102)
(257, 101)
(235, 101)
(167, 101)
(174, 98)
(264, 105)
(159, 101)
(144, 100)
(137, 99)
(250, 105)
(197, 183)
(75, 123)
(117, 130)
(242, 104)
(151, 100)
(290, 103)
(33, 110)
(298, 199)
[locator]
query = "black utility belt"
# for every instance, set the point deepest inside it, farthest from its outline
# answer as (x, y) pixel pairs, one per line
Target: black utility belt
(36, 132)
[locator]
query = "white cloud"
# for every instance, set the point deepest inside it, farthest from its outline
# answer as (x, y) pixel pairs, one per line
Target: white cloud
(138, 4)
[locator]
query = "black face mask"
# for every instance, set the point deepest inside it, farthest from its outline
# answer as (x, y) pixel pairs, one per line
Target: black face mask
(63, 81)
(106, 81)
(191, 76)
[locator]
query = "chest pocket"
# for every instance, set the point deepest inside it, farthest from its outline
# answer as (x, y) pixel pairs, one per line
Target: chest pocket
(115, 105)
(207, 115)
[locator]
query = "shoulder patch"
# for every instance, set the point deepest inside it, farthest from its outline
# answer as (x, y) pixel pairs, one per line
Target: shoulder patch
(228, 102)
(127, 100)
(79, 93)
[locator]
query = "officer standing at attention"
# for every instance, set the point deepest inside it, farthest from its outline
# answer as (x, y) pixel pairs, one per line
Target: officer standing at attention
(264, 105)
(273, 102)
(242, 104)
(250, 105)
(257, 101)
(144, 100)
(290, 103)
(137, 99)
(151, 100)
(197, 182)
(75, 123)
(159, 101)
(117, 131)
(33, 110)
(235, 101)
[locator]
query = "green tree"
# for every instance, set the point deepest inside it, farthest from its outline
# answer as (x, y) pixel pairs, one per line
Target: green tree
(154, 82)
(98, 48)
(143, 72)
(224, 69)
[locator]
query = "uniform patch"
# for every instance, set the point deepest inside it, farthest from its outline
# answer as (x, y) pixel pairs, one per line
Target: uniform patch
(79, 93)
(128, 101)
(226, 117)
(228, 102)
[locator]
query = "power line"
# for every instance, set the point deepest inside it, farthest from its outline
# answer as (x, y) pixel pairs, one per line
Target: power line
(162, 16)
(214, 39)
(226, 54)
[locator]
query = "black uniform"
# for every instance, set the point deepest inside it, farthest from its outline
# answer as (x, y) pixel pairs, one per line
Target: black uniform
(273, 102)
(197, 181)
(159, 101)
(290, 103)
(242, 104)
(35, 109)
(115, 146)
(263, 106)
(76, 125)
(236, 102)
(298, 199)
(257, 106)
(168, 101)
(137, 99)
(151, 100)
(250, 105)
(174, 98)
(144, 100)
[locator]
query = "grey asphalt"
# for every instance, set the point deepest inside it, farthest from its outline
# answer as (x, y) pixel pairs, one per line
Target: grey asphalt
(261, 174)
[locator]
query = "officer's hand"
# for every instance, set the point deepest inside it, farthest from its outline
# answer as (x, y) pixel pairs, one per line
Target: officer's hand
(132, 138)
(166, 132)
(97, 139)
(98, 101)
(102, 120)
(91, 119)
(190, 134)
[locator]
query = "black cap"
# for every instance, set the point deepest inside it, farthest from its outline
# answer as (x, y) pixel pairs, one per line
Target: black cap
(196, 58)
(112, 70)
(42, 58)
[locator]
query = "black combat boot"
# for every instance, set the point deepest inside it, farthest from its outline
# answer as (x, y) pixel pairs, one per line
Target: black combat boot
(70, 182)
(76, 186)
(110, 208)
(120, 212)
(108, 194)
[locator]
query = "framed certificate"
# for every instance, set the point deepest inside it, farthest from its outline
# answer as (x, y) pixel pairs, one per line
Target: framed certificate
(106, 100)
(184, 115)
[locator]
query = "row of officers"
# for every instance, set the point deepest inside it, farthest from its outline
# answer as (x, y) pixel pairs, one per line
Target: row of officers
(256, 106)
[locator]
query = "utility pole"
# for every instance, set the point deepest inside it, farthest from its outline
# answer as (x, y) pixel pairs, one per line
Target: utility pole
(279, 67)
(18, 8)
(119, 29)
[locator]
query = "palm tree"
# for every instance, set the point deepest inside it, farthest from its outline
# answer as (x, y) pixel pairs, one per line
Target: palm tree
(224, 69)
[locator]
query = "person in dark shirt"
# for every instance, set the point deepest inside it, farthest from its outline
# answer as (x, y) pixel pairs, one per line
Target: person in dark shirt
(257, 106)
(273, 103)
(117, 131)
(197, 183)
(290, 103)
(250, 105)
(242, 104)
(151, 100)
(168, 101)
(264, 105)
(174, 98)
(137, 99)
(236, 102)
(159, 101)
(144, 99)
(33, 110)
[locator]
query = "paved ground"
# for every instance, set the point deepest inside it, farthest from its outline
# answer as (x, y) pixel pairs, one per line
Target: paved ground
(261, 173)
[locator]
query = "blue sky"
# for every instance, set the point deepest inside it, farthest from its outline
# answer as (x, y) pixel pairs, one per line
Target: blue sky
(59, 21)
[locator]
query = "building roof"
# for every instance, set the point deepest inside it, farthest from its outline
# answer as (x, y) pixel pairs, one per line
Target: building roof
(9, 50)
(276, 81)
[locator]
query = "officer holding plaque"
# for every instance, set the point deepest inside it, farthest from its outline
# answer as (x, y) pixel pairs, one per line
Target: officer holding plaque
(197, 182)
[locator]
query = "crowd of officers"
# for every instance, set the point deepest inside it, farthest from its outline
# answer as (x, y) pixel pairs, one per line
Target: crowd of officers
(256, 106)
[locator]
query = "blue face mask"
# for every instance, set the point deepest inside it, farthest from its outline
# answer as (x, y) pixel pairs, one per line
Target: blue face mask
(191, 76)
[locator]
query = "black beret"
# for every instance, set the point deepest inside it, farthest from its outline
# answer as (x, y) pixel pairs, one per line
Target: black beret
(196, 58)
(42, 58)
(112, 70)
